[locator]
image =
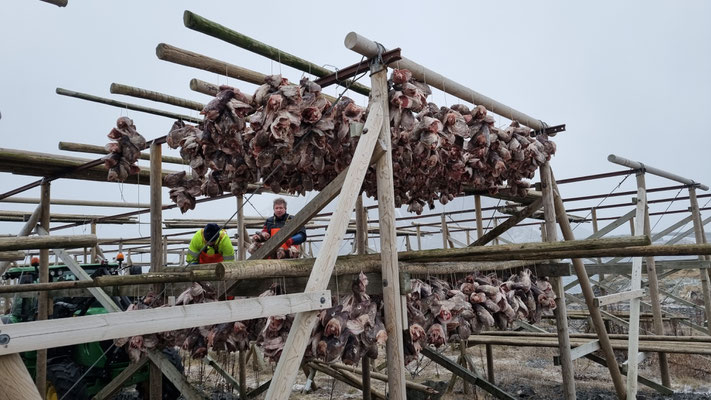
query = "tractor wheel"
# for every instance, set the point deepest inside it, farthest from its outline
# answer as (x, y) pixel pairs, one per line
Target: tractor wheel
(170, 392)
(61, 379)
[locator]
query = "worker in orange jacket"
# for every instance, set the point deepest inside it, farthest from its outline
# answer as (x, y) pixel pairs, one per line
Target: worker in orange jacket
(210, 245)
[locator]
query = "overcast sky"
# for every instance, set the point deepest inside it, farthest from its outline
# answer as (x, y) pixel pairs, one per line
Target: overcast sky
(630, 78)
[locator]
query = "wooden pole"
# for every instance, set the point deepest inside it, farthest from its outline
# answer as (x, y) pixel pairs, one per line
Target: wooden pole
(491, 376)
(388, 245)
(203, 87)
(703, 273)
(584, 282)
(656, 304)
(419, 237)
(445, 237)
(241, 250)
(117, 88)
(129, 106)
(204, 25)
(508, 224)
(43, 301)
(24, 231)
(93, 248)
(242, 360)
(561, 318)
(303, 323)
(58, 3)
(479, 221)
(92, 149)
(16, 382)
(593, 215)
(36, 242)
(156, 212)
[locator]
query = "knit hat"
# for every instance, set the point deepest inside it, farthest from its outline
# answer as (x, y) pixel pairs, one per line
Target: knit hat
(211, 232)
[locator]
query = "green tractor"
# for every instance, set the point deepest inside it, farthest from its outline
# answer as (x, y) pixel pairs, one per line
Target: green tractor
(81, 371)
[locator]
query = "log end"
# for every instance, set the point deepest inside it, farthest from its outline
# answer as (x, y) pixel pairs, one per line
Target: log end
(160, 50)
(351, 40)
(188, 19)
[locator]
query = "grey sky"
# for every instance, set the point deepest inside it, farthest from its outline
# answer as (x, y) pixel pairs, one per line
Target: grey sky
(630, 78)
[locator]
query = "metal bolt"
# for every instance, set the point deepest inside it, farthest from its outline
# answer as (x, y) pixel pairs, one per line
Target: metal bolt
(4, 339)
(385, 283)
(365, 130)
(323, 300)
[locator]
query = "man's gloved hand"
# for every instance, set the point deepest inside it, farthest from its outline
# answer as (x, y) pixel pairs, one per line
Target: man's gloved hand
(289, 242)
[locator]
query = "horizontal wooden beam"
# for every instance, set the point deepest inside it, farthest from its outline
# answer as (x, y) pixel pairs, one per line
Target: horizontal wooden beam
(118, 88)
(11, 255)
(37, 242)
(626, 268)
(618, 297)
(68, 202)
(94, 149)
(580, 351)
(35, 335)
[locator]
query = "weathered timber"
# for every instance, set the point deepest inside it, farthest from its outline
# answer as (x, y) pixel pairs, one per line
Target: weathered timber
(648, 382)
(94, 149)
(117, 88)
(508, 224)
(203, 87)
(625, 268)
(617, 344)
(345, 377)
(56, 217)
(24, 231)
(58, 3)
(550, 234)
(68, 202)
(69, 331)
(204, 25)
(117, 383)
(595, 314)
(120, 280)
(43, 299)
(301, 328)
(124, 105)
(11, 255)
(36, 242)
(382, 377)
(467, 375)
(665, 338)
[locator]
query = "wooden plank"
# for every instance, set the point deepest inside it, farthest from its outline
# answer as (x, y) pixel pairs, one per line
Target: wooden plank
(469, 376)
(64, 332)
(587, 348)
(293, 352)
(174, 376)
(626, 268)
(117, 383)
(509, 223)
(614, 225)
(54, 241)
(618, 297)
(156, 212)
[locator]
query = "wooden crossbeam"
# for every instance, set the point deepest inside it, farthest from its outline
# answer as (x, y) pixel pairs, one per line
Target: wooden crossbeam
(26, 336)
(509, 223)
(109, 390)
(469, 376)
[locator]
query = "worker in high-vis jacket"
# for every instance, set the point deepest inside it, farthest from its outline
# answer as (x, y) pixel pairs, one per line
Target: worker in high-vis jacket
(210, 245)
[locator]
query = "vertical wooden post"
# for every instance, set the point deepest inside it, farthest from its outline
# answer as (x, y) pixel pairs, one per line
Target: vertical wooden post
(479, 222)
(584, 282)
(704, 273)
(361, 240)
(388, 249)
(635, 284)
(93, 249)
(491, 376)
(156, 376)
(241, 250)
(593, 213)
(632, 226)
(43, 301)
(469, 239)
(656, 304)
(496, 223)
(445, 233)
(560, 312)
(419, 237)
(86, 255)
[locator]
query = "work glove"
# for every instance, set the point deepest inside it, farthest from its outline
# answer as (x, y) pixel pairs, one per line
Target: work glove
(289, 242)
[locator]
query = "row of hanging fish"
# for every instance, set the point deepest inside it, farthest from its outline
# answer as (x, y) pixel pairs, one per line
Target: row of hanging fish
(438, 312)
(290, 137)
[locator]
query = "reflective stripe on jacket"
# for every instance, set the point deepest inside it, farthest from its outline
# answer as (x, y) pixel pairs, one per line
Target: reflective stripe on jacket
(221, 251)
